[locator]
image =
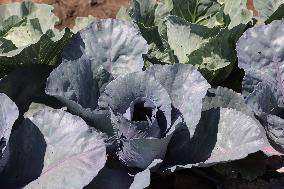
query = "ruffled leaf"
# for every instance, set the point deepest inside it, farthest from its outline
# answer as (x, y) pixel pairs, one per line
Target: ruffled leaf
(121, 92)
(141, 117)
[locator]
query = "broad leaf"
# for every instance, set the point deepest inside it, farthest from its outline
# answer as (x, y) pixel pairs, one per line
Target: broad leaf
(261, 55)
(195, 11)
(215, 58)
(266, 9)
(184, 37)
(115, 45)
(225, 98)
(237, 11)
(143, 11)
(28, 89)
(75, 159)
(82, 22)
(227, 134)
(27, 30)
(8, 115)
(265, 101)
(186, 87)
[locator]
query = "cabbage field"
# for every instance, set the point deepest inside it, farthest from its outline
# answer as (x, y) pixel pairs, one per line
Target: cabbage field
(172, 94)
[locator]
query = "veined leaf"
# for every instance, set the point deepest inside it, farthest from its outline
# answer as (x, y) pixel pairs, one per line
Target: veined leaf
(28, 36)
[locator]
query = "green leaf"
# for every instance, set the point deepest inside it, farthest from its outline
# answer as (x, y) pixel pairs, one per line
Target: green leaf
(195, 11)
(123, 14)
(277, 15)
(163, 10)
(158, 55)
(237, 11)
(267, 9)
(143, 11)
(28, 36)
(82, 22)
(215, 58)
(45, 51)
(185, 37)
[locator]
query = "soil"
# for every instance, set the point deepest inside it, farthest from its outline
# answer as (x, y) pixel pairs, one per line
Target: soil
(68, 10)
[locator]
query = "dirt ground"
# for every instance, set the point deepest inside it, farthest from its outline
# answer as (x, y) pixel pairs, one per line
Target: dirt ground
(68, 10)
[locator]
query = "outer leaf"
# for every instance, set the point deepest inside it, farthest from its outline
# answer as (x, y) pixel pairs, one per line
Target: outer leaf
(274, 130)
(27, 30)
(184, 37)
(163, 10)
(266, 9)
(79, 152)
(237, 11)
(116, 45)
(215, 59)
(228, 135)
(264, 101)
(113, 175)
(186, 87)
(82, 22)
(28, 89)
(143, 11)
(78, 85)
(237, 138)
(142, 179)
(123, 14)
(195, 11)
(46, 51)
(277, 15)
(8, 115)
(27, 144)
(30, 21)
(225, 98)
(160, 56)
(260, 53)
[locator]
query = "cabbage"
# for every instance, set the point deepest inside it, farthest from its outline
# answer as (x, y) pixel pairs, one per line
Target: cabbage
(202, 33)
(260, 53)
